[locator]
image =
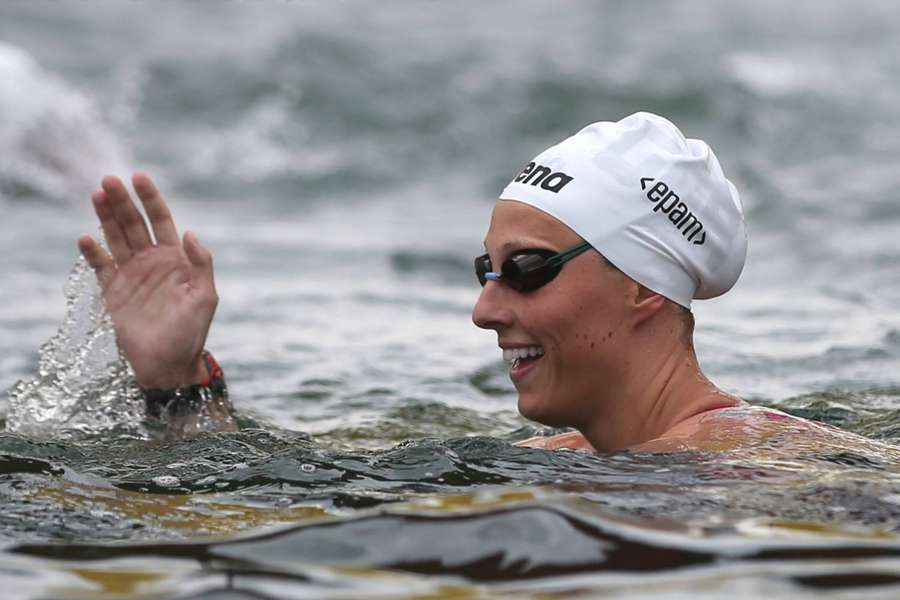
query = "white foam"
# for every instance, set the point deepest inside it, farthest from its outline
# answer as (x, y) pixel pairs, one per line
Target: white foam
(54, 142)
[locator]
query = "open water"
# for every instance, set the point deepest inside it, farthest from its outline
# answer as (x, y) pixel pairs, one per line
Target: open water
(341, 160)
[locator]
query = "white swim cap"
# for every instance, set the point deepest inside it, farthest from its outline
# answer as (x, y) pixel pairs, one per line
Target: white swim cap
(655, 204)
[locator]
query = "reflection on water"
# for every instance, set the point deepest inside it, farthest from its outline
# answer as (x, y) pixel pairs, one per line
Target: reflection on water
(503, 544)
(478, 514)
(100, 483)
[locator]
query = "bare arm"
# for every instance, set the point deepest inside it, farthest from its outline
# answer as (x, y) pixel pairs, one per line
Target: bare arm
(159, 289)
(572, 440)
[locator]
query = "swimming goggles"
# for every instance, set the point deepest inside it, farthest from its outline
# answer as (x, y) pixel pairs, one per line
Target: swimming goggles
(527, 270)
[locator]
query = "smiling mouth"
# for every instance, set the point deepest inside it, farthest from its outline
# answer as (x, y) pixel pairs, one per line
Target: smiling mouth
(512, 355)
(521, 360)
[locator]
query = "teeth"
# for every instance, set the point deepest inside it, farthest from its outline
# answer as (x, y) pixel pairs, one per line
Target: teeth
(509, 355)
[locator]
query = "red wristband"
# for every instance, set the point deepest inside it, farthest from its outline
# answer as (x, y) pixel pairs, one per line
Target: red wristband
(213, 370)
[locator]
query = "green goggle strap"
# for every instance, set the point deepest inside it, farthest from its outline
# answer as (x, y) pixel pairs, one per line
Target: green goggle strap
(563, 257)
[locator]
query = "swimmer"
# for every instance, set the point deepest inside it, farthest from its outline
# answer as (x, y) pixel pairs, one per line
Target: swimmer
(644, 221)
(594, 254)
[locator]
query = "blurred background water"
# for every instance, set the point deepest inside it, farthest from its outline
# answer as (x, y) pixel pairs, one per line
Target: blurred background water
(341, 160)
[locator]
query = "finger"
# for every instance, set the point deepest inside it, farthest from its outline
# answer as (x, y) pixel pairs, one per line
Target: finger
(127, 214)
(98, 258)
(115, 237)
(201, 258)
(157, 211)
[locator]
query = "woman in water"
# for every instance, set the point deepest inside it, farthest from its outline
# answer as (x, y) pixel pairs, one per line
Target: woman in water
(594, 254)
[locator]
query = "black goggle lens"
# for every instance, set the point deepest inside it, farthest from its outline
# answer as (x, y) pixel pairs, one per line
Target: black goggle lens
(527, 270)
(482, 266)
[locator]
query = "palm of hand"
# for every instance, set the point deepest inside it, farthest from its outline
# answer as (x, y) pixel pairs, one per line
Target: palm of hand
(160, 314)
(161, 297)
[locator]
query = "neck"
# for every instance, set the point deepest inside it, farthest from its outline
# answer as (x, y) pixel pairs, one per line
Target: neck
(660, 387)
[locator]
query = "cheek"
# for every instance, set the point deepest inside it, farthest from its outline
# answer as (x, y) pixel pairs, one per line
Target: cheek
(581, 333)
(587, 337)
(575, 349)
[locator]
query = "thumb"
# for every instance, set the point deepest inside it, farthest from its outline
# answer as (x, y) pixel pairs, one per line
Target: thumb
(201, 259)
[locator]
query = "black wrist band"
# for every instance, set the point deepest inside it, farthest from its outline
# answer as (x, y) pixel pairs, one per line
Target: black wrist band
(188, 399)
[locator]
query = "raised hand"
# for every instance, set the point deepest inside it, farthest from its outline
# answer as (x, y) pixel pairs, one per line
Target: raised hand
(161, 296)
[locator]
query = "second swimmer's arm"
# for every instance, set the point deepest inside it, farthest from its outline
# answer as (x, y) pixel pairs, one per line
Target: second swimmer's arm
(572, 440)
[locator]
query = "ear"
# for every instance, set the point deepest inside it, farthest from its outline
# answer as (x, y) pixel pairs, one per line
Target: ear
(645, 304)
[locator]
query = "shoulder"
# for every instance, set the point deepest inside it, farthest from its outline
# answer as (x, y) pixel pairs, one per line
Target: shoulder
(727, 428)
(756, 429)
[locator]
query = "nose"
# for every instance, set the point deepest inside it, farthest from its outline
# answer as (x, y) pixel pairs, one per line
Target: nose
(491, 311)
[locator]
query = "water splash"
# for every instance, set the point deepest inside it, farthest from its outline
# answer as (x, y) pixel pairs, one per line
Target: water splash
(84, 386)
(52, 137)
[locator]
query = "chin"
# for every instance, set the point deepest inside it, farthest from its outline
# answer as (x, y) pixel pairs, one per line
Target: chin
(535, 410)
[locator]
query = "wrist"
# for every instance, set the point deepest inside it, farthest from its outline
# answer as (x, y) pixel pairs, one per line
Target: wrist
(207, 386)
(201, 372)
(170, 378)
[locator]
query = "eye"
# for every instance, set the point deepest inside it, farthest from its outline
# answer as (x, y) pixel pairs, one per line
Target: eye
(530, 253)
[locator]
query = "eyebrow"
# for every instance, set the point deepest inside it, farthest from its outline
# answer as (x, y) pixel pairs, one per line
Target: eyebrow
(517, 243)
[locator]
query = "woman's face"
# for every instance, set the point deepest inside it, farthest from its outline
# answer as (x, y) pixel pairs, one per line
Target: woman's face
(575, 320)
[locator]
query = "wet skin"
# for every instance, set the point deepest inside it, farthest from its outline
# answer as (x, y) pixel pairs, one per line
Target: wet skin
(615, 364)
(598, 329)
(574, 318)
(158, 288)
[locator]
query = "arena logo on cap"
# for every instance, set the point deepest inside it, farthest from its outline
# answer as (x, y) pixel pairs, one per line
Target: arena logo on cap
(679, 214)
(535, 174)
